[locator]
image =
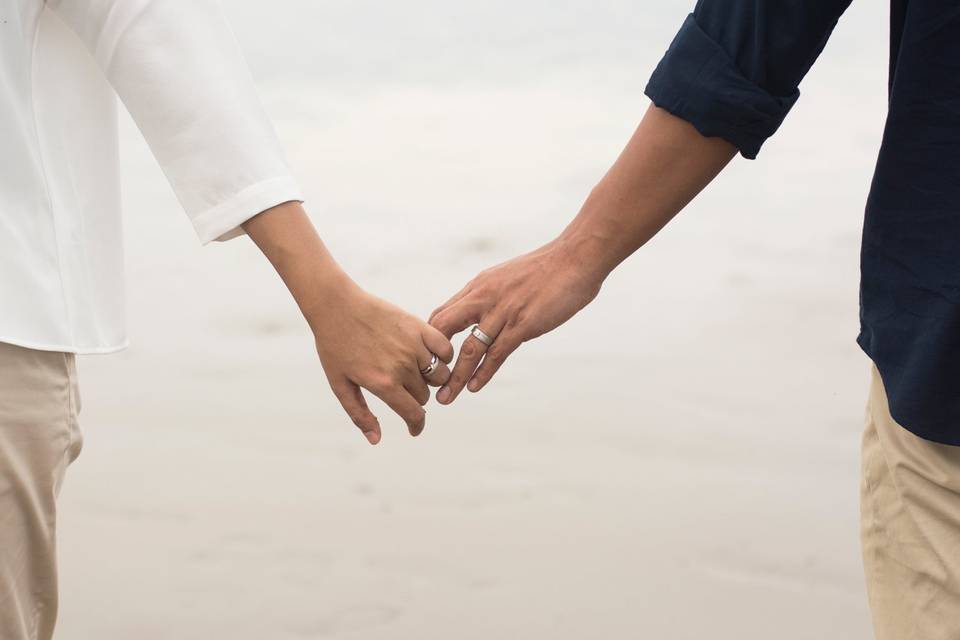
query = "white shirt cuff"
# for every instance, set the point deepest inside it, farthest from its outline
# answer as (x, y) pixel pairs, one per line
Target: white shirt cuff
(222, 222)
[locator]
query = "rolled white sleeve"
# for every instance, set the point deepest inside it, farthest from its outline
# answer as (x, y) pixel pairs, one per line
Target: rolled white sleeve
(178, 69)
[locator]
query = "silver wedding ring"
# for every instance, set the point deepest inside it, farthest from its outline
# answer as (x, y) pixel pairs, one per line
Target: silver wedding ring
(433, 366)
(478, 333)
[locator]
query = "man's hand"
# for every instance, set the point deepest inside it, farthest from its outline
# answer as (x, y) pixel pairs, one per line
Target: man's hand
(363, 342)
(665, 164)
(512, 303)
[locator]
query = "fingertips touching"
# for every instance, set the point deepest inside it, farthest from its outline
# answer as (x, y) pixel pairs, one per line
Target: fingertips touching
(437, 343)
(471, 351)
(439, 377)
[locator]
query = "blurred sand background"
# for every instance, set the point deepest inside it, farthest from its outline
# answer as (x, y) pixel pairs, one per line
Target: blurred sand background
(679, 461)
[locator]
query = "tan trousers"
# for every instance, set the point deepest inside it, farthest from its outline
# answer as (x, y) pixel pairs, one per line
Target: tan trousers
(39, 438)
(910, 528)
(910, 506)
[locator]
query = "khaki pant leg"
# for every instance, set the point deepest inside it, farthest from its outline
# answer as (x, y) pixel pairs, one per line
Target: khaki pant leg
(39, 438)
(910, 528)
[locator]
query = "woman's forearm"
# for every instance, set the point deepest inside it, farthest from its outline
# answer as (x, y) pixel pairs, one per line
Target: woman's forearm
(288, 239)
(363, 342)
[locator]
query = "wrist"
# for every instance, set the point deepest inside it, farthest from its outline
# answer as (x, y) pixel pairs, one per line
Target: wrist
(577, 257)
(591, 242)
(332, 292)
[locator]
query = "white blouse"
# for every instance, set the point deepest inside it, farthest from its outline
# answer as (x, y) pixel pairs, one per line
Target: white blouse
(177, 68)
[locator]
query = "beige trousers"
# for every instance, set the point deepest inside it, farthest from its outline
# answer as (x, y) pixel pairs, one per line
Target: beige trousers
(910, 506)
(39, 438)
(910, 528)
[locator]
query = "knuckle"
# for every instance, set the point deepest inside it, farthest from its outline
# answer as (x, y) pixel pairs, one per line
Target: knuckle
(380, 383)
(414, 331)
(488, 295)
(438, 319)
(518, 317)
(469, 350)
(398, 369)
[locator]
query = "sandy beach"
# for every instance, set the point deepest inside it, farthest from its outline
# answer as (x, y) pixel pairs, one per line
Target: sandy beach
(679, 461)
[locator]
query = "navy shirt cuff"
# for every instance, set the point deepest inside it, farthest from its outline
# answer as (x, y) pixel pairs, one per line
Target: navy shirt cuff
(698, 81)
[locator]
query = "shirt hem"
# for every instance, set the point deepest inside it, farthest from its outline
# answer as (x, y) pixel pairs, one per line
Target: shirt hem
(78, 350)
(933, 434)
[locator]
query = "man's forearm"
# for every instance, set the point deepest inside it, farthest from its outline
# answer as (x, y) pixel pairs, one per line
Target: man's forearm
(666, 163)
(664, 166)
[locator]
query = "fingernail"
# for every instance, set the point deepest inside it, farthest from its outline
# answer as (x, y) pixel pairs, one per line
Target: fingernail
(372, 437)
(443, 396)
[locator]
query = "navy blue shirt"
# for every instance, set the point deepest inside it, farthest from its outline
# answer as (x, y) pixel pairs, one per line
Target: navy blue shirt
(733, 71)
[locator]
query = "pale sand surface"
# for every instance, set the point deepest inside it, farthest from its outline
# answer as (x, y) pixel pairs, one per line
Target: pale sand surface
(679, 461)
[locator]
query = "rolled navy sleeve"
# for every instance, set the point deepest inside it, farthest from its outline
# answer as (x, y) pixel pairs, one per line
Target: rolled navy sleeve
(178, 69)
(734, 68)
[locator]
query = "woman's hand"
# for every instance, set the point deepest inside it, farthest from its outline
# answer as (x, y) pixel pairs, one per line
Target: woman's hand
(363, 342)
(512, 303)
